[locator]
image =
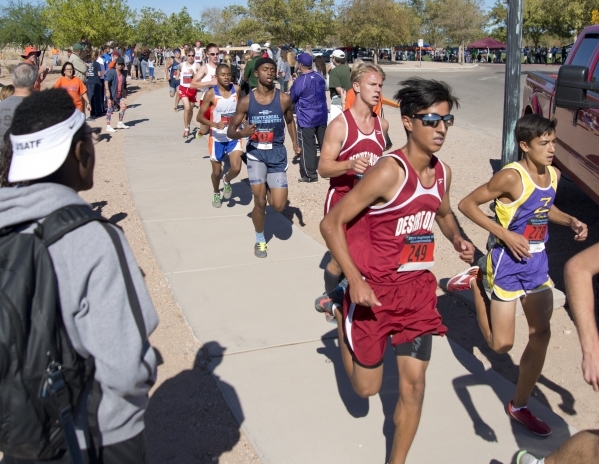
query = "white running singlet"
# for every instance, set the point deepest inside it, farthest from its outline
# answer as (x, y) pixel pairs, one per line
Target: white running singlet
(186, 73)
(223, 110)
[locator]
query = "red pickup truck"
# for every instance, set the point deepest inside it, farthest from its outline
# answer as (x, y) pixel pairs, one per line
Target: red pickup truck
(572, 97)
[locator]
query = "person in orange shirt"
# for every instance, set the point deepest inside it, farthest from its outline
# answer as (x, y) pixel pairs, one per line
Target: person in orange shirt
(74, 86)
(55, 53)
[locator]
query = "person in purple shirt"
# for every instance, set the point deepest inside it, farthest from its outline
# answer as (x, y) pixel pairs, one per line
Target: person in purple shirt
(308, 94)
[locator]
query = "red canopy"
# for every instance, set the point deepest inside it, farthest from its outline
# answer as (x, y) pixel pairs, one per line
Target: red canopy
(489, 43)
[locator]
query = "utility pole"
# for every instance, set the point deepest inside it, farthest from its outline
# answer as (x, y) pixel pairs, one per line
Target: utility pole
(511, 98)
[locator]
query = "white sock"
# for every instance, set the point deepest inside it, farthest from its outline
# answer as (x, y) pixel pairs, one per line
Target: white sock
(518, 409)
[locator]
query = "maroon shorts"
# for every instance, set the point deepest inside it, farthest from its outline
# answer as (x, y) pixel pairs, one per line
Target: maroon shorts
(408, 311)
(333, 197)
(188, 92)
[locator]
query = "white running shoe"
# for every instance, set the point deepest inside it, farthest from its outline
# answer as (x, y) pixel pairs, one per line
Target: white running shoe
(110, 129)
(121, 125)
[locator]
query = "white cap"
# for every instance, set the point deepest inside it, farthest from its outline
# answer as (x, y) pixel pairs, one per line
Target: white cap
(255, 48)
(338, 54)
(267, 44)
(39, 154)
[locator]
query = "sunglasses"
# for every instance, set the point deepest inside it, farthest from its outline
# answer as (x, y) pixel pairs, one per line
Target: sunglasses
(212, 54)
(433, 119)
(191, 56)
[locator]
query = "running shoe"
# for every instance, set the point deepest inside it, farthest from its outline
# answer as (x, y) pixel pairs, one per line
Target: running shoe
(329, 303)
(186, 132)
(227, 191)
(198, 134)
(109, 128)
(216, 200)
(463, 280)
(524, 457)
(122, 125)
(526, 418)
(260, 250)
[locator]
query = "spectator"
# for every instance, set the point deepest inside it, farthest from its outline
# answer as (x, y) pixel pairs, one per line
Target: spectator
(79, 65)
(151, 62)
(107, 57)
(75, 86)
(248, 73)
(95, 84)
(320, 66)
(55, 52)
(104, 316)
(284, 71)
(6, 91)
(143, 62)
(308, 94)
(268, 51)
(31, 56)
(24, 77)
(339, 79)
(115, 87)
(136, 61)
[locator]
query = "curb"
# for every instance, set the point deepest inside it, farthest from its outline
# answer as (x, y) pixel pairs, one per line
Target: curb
(449, 68)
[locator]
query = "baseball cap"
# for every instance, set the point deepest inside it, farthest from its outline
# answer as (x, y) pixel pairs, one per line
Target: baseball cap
(37, 155)
(29, 50)
(267, 44)
(304, 59)
(116, 53)
(256, 48)
(77, 46)
(338, 54)
(120, 60)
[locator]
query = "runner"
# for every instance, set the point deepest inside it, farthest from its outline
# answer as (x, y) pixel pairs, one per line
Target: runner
(267, 110)
(391, 291)
(199, 53)
(353, 142)
(516, 265)
(222, 98)
(205, 80)
(172, 71)
(188, 70)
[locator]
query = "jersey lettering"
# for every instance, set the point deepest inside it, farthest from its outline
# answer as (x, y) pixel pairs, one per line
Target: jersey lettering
(408, 224)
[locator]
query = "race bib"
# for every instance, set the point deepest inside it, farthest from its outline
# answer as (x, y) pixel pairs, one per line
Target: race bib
(418, 253)
(263, 139)
(226, 118)
(187, 79)
(535, 232)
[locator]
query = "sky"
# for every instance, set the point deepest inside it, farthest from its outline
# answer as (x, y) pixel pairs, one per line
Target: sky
(195, 8)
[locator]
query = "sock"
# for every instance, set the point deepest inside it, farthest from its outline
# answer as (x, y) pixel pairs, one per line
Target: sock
(331, 281)
(518, 409)
(260, 237)
(225, 180)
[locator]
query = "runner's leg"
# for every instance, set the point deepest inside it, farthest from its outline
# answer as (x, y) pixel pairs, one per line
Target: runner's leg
(217, 169)
(538, 308)
(233, 172)
(187, 114)
(582, 448)
(496, 319)
(259, 211)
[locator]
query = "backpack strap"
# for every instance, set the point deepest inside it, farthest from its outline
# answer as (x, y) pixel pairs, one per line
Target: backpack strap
(64, 220)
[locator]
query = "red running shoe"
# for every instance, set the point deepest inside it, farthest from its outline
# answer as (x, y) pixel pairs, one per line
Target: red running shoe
(526, 418)
(463, 280)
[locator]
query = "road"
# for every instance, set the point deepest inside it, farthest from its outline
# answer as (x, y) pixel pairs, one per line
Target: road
(480, 91)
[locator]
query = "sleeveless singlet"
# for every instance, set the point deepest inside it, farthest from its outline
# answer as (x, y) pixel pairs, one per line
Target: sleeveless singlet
(199, 54)
(400, 243)
(529, 214)
(358, 145)
(186, 74)
(207, 78)
(269, 120)
(223, 111)
(174, 67)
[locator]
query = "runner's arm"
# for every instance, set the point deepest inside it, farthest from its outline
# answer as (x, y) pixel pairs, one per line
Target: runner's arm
(376, 185)
(448, 225)
(240, 112)
(328, 166)
(207, 101)
(504, 183)
(287, 110)
(578, 275)
(195, 82)
(385, 127)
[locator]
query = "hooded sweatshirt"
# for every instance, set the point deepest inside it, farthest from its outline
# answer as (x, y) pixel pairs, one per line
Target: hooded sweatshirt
(95, 309)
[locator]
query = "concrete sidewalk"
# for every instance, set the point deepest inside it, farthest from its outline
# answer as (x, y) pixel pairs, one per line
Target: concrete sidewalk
(276, 360)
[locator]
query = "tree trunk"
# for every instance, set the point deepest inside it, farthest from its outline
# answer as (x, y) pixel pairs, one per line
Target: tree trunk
(461, 53)
(375, 58)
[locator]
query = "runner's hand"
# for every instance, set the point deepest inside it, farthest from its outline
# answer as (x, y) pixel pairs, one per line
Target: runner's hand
(297, 149)
(358, 165)
(590, 370)
(219, 125)
(465, 249)
(361, 294)
(580, 228)
(248, 130)
(517, 244)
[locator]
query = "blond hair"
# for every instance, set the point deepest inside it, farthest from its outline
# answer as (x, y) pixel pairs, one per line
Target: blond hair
(359, 72)
(6, 91)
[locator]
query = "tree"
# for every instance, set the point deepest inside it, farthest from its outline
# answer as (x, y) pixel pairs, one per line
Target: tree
(535, 20)
(376, 23)
(231, 24)
(22, 23)
(569, 17)
(98, 20)
(150, 28)
(431, 29)
(497, 19)
(462, 21)
(182, 28)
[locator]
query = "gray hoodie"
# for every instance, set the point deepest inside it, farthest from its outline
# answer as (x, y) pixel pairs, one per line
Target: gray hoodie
(95, 308)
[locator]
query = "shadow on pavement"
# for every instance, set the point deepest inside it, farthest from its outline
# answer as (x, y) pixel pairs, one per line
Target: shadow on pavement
(135, 122)
(187, 419)
(242, 194)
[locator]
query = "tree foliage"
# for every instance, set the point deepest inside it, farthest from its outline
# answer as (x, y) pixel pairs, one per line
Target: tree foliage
(535, 20)
(232, 24)
(430, 28)
(568, 18)
(98, 20)
(22, 23)
(150, 27)
(462, 21)
(182, 28)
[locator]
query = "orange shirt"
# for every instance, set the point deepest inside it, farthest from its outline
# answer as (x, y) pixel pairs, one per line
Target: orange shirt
(75, 87)
(350, 99)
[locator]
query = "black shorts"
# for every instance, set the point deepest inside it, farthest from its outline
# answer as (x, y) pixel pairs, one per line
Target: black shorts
(420, 348)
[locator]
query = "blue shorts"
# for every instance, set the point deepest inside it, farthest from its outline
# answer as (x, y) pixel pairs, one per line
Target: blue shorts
(275, 158)
(174, 85)
(218, 150)
(509, 279)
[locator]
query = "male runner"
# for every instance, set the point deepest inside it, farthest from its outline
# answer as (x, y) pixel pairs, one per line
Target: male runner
(267, 110)
(516, 265)
(392, 292)
(188, 70)
(353, 142)
(172, 71)
(222, 98)
(199, 53)
(205, 80)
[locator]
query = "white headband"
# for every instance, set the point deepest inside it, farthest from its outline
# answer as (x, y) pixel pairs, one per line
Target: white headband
(39, 154)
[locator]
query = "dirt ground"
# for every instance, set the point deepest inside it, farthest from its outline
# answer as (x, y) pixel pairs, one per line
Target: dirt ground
(188, 420)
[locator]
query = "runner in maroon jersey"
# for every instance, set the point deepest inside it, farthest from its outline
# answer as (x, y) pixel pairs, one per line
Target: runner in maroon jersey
(353, 142)
(392, 292)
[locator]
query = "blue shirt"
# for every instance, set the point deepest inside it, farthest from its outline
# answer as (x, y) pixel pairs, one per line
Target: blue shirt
(269, 120)
(308, 94)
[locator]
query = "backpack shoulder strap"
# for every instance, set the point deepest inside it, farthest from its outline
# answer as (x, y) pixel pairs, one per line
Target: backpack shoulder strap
(64, 220)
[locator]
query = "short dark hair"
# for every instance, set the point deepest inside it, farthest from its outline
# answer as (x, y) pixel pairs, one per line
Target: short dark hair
(221, 66)
(211, 45)
(531, 126)
(418, 94)
(68, 63)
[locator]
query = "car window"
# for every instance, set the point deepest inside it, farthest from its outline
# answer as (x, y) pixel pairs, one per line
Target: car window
(585, 50)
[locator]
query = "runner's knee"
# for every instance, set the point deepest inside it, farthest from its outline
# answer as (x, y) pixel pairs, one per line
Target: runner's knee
(501, 346)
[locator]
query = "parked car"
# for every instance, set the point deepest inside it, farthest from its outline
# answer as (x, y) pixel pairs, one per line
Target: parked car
(317, 52)
(366, 54)
(327, 54)
(572, 97)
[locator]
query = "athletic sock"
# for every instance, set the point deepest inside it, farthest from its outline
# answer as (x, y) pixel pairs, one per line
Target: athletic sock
(260, 237)
(224, 181)
(514, 408)
(331, 281)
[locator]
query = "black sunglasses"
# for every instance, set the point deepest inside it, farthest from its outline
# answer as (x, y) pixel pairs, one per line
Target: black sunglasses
(433, 119)
(94, 132)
